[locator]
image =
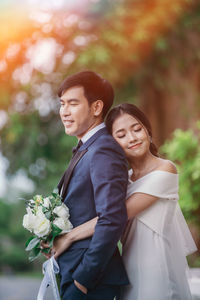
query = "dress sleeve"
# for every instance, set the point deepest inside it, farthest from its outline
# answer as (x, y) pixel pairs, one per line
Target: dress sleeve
(160, 184)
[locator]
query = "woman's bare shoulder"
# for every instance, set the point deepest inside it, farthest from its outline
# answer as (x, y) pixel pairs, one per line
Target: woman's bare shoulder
(167, 166)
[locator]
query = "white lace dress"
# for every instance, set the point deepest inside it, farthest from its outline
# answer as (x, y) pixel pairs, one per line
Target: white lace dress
(157, 243)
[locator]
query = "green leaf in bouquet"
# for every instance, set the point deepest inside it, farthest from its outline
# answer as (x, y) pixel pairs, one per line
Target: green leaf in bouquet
(51, 242)
(44, 209)
(56, 230)
(46, 250)
(54, 194)
(55, 191)
(58, 202)
(53, 201)
(33, 244)
(28, 241)
(34, 254)
(48, 215)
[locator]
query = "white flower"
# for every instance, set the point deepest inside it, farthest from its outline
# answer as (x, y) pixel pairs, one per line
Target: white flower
(62, 211)
(29, 220)
(47, 202)
(64, 225)
(42, 225)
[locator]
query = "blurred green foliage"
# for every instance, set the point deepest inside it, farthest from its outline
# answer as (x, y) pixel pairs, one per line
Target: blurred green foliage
(39, 146)
(12, 235)
(184, 150)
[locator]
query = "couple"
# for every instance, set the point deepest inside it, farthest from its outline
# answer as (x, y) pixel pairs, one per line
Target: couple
(102, 196)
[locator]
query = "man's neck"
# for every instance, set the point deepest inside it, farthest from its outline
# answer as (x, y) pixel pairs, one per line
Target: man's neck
(92, 131)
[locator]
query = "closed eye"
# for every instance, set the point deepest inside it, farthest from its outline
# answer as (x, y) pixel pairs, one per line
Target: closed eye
(139, 129)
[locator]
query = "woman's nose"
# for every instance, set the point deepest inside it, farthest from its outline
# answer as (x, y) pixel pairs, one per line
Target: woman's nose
(132, 136)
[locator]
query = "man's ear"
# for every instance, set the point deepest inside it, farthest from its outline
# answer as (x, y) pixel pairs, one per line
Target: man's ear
(97, 107)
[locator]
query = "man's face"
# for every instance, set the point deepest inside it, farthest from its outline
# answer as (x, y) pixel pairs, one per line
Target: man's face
(76, 114)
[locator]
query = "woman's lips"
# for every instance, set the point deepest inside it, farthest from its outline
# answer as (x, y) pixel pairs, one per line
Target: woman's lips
(135, 146)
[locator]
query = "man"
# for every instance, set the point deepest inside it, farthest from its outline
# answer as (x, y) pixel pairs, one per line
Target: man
(94, 184)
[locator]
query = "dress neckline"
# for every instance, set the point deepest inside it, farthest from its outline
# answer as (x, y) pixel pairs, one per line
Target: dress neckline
(155, 171)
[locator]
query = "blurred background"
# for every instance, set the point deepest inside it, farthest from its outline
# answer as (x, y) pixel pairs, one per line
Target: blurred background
(148, 49)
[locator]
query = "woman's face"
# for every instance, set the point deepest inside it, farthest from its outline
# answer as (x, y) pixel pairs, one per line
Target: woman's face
(131, 135)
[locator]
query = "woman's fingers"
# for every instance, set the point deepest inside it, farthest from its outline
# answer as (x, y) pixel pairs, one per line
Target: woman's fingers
(44, 245)
(56, 254)
(47, 255)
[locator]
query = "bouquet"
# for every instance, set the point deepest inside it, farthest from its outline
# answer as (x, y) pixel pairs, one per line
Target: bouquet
(46, 218)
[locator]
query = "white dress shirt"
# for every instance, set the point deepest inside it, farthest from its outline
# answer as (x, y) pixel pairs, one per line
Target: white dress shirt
(91, 132)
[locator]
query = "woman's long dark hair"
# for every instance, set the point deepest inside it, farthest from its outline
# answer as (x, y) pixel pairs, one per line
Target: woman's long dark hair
(134, 111)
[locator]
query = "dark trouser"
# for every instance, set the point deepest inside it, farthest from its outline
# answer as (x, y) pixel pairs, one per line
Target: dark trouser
(101, 292)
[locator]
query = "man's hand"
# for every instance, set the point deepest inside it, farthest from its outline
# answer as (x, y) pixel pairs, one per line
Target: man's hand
(80, 287)
(61, 243)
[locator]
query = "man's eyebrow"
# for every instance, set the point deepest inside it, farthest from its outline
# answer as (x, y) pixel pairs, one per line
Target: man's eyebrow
(69, 100)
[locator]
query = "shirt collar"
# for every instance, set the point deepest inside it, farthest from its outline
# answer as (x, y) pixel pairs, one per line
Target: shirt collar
(90, 133)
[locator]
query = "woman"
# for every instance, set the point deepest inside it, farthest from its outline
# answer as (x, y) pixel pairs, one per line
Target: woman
(157, 238)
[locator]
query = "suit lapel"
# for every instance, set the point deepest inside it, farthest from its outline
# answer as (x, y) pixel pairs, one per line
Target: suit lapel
(93, 138)
(64, 182)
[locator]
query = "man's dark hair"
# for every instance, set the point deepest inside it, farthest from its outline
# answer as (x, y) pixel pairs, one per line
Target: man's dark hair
(95, 88)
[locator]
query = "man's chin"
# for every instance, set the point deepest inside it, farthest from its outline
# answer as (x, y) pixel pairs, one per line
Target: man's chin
(70, 132)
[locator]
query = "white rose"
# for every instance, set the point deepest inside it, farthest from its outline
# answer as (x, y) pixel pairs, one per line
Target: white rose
(42, 224)
(64, 225)
(62, 211)
(29, 220)
(47, 202)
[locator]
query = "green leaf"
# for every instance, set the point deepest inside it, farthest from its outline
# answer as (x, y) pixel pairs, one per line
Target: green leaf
(54, 194)
(32, 244)
(48, 215)
(55, 191)
(34, 254)
(46, 250)
(28, 241)
(55, 230)
(53, 201)
(51, 242)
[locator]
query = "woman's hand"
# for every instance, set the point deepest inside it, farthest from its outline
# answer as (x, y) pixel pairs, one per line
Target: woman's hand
(61, 243)
(44, 245)
(64, 241)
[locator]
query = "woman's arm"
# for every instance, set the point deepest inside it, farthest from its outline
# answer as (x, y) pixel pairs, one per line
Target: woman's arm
(63, 242)
(135, 204)
(138, 202)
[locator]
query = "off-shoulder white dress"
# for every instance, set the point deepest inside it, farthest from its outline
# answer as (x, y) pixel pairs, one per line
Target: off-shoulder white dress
(157, 243)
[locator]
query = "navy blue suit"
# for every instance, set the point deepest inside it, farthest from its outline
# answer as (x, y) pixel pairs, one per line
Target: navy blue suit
(96, 187)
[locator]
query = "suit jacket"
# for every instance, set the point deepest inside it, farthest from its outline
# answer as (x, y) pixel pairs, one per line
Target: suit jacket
(97, 187)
